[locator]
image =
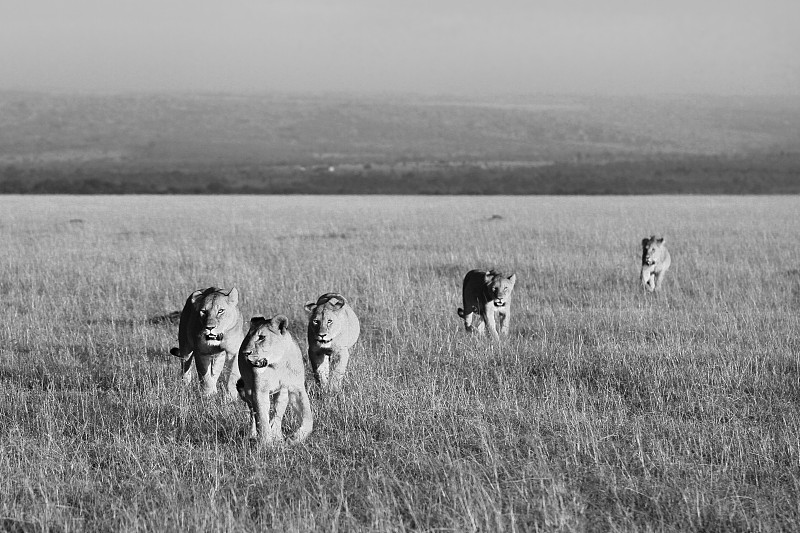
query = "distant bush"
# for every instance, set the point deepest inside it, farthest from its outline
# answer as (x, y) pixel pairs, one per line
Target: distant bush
(755, 174)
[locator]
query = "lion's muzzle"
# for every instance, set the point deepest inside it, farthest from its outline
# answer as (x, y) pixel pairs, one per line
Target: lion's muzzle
(254, 360)
(499, 302)
(321, 339)
(211, 336)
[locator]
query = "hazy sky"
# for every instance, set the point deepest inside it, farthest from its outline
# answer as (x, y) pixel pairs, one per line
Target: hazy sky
(454, 46)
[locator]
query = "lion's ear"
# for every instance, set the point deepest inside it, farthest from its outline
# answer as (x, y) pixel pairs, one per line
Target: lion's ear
(278, 324)
(195, 295)
(512, 278)
(340, 301)
(233, 296)
(645, 241)
(661, 240)
(256, 320)
(310, 306)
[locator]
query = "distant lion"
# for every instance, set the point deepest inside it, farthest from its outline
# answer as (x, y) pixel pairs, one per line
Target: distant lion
(210, 332)
(655, 263)
(486, 296)
(333, 328)
(271, 366)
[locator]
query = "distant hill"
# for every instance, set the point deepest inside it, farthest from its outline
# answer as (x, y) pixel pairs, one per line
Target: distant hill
(307, 143)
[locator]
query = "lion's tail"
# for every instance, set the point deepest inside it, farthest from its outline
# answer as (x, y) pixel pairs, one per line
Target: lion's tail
(462, 313)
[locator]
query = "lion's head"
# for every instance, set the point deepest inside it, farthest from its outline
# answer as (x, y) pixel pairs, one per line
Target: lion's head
(217, 312)
(327, 318)
(652, 250)
(264, 344)
(500, 287)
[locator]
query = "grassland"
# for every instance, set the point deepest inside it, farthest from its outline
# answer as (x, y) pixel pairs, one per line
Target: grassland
(605, 409)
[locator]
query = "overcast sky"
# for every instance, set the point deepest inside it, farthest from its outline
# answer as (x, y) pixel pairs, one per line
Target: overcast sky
(450, 46)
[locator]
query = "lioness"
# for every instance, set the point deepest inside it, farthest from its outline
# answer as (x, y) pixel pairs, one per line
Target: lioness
(271, 366)
(486, 294)
(333, 328)
(210, 332)
(655, 263)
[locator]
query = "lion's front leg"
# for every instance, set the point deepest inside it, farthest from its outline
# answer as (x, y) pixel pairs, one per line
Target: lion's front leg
(253, 424)
(208, 369)
(261, 402)
(504, 319)
(659, 277)
(247, 397)
(232, 369)
(338, 370)
(491, 324)
(320, 363)
(281, 401)
(647, 279)
(479, 325)
(186, 368)
(302, 406)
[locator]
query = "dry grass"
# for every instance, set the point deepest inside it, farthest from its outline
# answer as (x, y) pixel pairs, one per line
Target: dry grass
(604, 410)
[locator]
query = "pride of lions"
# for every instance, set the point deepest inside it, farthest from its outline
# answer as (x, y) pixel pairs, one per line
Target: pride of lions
(269, 364)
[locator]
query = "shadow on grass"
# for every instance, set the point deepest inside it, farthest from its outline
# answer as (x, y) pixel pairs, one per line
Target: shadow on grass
(13, 525)
(85, 370)
(169, 319)
(59, 377)
(453, 272)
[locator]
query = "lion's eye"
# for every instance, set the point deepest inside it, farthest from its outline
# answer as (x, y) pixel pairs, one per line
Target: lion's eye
(220, 311)
(330, 322)
(262, 337)
(203, 312)
(316, 322)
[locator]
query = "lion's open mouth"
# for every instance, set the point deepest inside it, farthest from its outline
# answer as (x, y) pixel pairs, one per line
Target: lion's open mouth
(323, 340)
(213, 336)
(499, 303)
(259, 363)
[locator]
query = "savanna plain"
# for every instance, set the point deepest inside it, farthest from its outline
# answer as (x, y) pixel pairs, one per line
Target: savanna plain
(605, 409)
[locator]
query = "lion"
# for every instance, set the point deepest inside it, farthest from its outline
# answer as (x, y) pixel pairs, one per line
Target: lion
(271, 366)
(333, 328)
(486, 296)
(210, 332)
(655, 263)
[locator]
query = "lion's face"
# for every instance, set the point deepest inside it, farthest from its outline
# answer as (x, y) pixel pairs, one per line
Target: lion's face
(651, 250)
(218, 313)
(264, 344)
(326, 322)
(500, 289)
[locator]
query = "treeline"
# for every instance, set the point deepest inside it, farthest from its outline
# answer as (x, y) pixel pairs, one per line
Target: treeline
(777, 173)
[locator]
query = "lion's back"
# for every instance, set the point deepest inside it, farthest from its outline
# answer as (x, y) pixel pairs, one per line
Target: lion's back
(474, 287)
(352, 327)
(295, 366)
(666, 259)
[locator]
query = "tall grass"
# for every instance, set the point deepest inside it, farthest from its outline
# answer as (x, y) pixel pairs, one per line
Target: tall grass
(605, 409)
